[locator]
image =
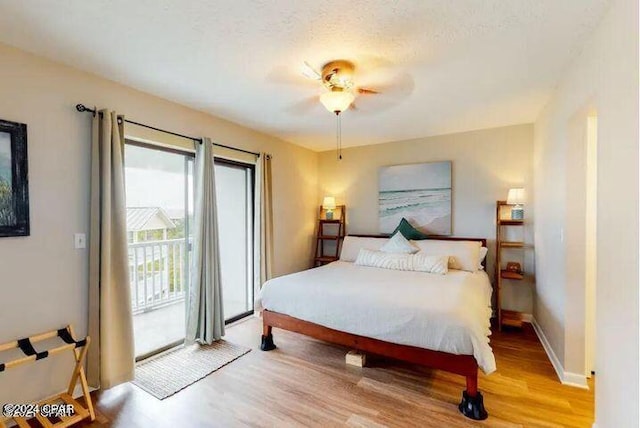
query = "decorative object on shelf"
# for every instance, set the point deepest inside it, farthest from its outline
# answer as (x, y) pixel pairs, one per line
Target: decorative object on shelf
(14, 180)
(420, 193)
(329, 204)
(331, 230)
(516, 198)
(514, 267)
(511, 271)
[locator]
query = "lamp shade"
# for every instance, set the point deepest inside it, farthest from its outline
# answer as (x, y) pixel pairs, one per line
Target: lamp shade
(516, 196)
(329, 203)
(337, 101)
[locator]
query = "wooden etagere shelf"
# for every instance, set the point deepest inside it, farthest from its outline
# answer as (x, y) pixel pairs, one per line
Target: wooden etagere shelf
(505, 274)
(507, 317)
(508, 222)
(329, 230)
(511, 244)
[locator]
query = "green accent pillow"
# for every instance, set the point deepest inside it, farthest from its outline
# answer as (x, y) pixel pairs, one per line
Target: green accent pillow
(409, 231)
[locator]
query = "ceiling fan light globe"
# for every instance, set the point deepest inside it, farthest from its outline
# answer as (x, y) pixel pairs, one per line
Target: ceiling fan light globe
(336, 101)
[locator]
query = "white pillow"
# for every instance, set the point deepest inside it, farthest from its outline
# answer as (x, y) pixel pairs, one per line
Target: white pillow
(431, 264)
(463, 255)
(483, 254)
(398, 244)
(351, 245)
(407, 262)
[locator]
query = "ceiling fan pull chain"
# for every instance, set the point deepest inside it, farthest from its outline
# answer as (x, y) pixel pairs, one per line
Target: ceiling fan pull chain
(338, 135)
(340, 120)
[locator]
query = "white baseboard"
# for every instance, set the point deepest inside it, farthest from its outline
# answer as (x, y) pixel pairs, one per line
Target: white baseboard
(575, 379)
(566, 378)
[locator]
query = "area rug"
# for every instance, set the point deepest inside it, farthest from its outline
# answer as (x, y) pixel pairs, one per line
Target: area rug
(164, 375)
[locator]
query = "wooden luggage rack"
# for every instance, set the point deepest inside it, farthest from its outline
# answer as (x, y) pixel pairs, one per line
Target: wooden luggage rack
(79, 349)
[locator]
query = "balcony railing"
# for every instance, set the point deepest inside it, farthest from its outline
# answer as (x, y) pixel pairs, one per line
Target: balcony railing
(158, 271)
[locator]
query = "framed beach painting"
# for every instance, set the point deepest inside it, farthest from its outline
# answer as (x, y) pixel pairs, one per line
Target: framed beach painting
(14, 181)
(421, 193)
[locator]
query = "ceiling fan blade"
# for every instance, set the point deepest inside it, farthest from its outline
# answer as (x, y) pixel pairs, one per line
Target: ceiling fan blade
(397, 87)
(310, 72)
(367, 91)
(283, 75)
(388, 94)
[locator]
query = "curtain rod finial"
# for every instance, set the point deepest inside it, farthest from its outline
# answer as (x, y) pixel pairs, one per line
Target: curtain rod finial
(81, 108)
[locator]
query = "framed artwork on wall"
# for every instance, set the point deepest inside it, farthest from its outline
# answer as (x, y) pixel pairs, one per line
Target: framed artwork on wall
(14, 180)
(421, 193)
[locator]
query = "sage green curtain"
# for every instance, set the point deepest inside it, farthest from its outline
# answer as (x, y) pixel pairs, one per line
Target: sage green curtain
(205, 316)
(110, 360)
(263, 224)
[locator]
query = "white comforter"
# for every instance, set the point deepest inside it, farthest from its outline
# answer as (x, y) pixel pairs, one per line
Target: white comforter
(449, 313)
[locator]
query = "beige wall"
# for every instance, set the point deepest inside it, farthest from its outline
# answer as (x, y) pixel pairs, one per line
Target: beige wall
(603, 79)
(43, 278)
(485, 165)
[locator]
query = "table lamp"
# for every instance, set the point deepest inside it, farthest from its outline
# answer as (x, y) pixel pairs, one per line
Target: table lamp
(329, 204)
(516, 198)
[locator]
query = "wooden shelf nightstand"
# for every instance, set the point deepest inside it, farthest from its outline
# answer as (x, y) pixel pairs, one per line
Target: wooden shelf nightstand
(505, 274)
(332, 231)
(506, 317)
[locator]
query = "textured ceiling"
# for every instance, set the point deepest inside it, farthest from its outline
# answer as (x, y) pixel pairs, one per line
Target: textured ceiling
(457, 65)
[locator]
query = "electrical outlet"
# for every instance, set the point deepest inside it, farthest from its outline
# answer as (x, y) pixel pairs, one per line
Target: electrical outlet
(80, 240)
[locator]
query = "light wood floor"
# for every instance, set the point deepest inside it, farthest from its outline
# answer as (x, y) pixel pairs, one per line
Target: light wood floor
(306, 383)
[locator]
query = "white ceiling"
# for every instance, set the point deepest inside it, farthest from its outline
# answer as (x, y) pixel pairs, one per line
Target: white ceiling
(460, 65)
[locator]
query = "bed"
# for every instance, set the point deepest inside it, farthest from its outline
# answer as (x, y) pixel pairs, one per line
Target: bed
(439, 321)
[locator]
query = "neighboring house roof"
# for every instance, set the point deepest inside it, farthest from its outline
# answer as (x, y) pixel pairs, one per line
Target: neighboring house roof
(147, 218)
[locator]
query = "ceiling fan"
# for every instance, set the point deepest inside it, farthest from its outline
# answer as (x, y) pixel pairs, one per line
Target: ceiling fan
(337, 77)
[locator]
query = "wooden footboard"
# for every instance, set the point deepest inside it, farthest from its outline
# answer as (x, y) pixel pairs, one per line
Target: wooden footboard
(464, 365)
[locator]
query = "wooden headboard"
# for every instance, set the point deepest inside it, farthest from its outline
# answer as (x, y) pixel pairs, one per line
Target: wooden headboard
(482, 241)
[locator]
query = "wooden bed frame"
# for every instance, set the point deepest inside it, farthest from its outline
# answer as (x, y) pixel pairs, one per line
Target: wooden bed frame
(472, 402)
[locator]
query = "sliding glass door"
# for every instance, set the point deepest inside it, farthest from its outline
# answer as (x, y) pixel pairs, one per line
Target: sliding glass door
(234, 193)
(159, 186)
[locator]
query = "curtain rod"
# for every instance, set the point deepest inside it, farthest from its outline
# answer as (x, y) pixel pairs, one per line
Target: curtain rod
(82, 108)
